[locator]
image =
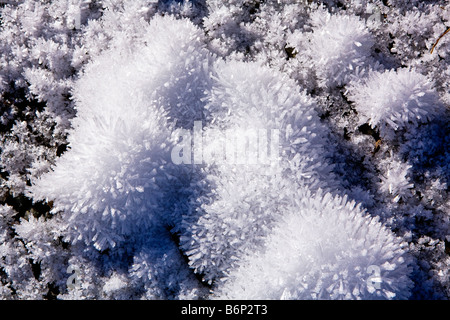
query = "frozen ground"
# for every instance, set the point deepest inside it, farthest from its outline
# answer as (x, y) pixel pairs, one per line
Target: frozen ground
(242, 149)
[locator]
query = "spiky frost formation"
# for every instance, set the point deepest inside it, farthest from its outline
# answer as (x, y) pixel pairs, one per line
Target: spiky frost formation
(395, 181)
(160, 271)
(325, 248)
(247, 195)
(338, 47)
(225, 24)
(43, 53)
(109, 184)
(392, 99)
(17, 275)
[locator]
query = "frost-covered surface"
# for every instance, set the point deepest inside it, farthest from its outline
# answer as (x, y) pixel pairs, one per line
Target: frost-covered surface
(345, 196)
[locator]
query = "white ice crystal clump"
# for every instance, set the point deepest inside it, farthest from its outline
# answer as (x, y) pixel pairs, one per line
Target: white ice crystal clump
(14, 262)
(114, 284)
(246, 198)
(395, 181)
(324, 248)
(161, 270)
(109, 182)
(338, 46)
(153, 82)
(392, 99)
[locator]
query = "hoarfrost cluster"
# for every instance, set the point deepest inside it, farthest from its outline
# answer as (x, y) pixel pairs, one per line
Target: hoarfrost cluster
(206, 149)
